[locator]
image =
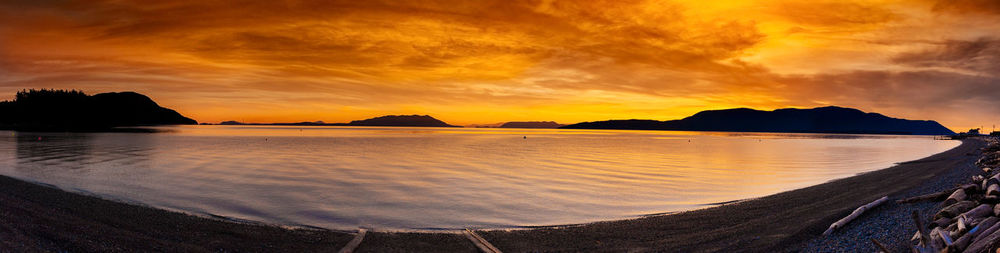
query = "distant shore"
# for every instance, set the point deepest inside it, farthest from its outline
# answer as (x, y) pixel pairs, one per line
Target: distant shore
(35, 217)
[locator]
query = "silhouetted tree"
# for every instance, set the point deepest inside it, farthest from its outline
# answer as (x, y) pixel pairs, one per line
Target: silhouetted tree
(73, 110)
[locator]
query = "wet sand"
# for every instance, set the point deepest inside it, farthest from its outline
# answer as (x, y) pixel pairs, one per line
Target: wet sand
(40, 218)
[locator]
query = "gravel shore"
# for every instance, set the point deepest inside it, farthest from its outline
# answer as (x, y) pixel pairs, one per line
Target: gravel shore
(40, 218)
(891, 223)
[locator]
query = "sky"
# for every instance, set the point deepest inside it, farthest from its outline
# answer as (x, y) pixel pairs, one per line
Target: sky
(480, 62)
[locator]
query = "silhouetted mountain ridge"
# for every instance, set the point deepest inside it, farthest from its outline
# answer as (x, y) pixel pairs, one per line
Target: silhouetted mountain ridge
(401, 120)
(829, 119)
(388, 120)
(60, 110)
(531, 124)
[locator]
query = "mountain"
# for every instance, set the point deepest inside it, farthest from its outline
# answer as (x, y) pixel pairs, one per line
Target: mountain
(304, 123)
(531, 124)
(60, 110)
(390, 120)
(401, 120)
(493, 125)
(830, 119)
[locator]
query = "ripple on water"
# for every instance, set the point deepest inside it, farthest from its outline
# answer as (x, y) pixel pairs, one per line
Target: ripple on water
(406, 178)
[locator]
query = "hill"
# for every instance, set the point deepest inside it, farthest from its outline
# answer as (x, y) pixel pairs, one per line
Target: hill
(830, 119)
(60, 110)
(401, 120)
(531, 124)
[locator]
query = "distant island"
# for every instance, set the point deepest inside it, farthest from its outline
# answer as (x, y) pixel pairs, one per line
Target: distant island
(62, 110)
(389, 120)
(402, 120)
(531, 124)
(829, 119)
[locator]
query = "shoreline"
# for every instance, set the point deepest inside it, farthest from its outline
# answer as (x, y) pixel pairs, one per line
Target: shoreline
(36, 217)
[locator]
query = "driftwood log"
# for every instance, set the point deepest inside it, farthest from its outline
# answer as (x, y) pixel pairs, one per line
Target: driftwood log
(988, 222)
(978, 213)
(955, 197)
(987, 232)
(925, 238)
(941, 222)
(480, 243)
(880, 246)
(970, 188)
(927, 197)
(995, 179)
(982, 244)
(965, 239)
(353, 244)
(955, 209)
(989, 199)
(993, 189)
(857, 212)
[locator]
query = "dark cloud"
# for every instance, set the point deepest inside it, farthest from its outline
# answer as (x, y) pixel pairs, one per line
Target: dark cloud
(950, 97)
(982, 56)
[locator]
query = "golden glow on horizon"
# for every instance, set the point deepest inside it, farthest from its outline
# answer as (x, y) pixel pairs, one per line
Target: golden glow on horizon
(480, 62)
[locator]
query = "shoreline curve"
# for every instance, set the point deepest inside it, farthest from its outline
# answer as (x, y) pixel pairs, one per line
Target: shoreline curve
(35, 216)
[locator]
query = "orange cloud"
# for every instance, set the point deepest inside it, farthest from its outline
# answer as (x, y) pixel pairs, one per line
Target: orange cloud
(490, 61)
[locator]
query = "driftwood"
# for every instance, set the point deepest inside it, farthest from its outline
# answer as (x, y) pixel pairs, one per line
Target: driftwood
(978, 213)
(955, 209)
(927, 197)
(988, 222)
(965, 240)
(989, 199)
(993, 189)
(960, 226)
(995, 179)
(941, 222)
(982, 244)
(955, 197)
(481, 243)
(937, 241)
(987, 232)
(970, 189)
(925, 238)
(353, 244)
(880, 246)
(946, 238)
(857, 212)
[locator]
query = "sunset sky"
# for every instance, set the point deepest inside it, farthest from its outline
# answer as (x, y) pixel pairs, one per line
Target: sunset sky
(478, 62)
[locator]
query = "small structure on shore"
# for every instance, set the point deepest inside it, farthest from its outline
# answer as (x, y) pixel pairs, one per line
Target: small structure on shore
(971, 133)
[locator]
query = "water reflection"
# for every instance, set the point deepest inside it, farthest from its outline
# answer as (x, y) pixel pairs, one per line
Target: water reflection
(86, 162)
(53, 151)
(433, 178)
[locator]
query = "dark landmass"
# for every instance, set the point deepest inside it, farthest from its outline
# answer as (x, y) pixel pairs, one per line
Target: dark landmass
(494, 125)
(304, 123)
(59, 110)
(531, 124)
(39, 218)
(390, 120)
(817, 120)
(402, 120)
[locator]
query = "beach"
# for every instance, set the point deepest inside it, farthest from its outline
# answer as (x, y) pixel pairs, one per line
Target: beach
(35, 217)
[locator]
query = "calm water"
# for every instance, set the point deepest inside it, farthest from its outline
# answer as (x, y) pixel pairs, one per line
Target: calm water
(441, 178)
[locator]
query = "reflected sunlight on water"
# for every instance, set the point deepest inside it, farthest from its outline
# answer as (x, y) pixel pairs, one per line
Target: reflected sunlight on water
(435, 178)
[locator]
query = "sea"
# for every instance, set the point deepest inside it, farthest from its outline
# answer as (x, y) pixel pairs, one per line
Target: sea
(440, 179)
